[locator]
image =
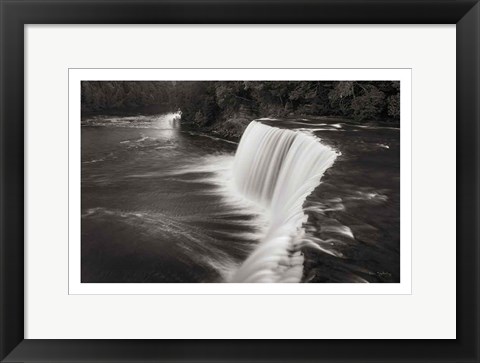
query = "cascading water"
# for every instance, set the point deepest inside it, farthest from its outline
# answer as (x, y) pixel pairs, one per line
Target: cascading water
(278, 169)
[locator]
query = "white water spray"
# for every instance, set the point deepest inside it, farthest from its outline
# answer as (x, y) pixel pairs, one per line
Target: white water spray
(278, 169)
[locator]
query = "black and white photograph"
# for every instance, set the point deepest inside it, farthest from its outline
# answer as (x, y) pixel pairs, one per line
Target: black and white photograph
(240, 181)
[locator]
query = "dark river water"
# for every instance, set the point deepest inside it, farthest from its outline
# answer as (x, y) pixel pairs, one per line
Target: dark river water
(157, 204)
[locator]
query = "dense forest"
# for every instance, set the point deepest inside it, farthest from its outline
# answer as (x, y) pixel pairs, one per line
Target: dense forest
(227, 106)
(100, 96)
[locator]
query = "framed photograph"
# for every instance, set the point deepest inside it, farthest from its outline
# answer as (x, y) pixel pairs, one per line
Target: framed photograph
(240, 181)
(238, 216)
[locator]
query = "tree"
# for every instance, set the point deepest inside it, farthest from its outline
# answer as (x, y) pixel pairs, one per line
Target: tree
(208, 102)
(369, 105)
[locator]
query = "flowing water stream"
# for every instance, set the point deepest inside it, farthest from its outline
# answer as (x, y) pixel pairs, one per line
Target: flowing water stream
(162, 202)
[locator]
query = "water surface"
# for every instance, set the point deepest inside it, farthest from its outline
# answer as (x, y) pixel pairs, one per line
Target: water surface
(158, 204)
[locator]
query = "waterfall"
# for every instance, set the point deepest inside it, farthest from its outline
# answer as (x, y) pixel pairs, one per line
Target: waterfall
(277, 169)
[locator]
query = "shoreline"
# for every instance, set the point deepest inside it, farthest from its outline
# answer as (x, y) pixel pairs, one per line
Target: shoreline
(232, 128)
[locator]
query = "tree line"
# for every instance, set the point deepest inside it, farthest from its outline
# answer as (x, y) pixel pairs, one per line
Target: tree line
(100, 96)
(207, 102)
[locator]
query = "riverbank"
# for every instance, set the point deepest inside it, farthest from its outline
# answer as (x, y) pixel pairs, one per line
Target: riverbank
(155, 109)
(232, 128)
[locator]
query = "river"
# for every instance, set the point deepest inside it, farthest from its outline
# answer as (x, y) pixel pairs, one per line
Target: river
(159, 204)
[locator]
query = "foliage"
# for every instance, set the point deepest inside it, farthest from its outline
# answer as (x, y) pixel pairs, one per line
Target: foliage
(369, 104)
(110, 95)
(209, 102)
(393, 104)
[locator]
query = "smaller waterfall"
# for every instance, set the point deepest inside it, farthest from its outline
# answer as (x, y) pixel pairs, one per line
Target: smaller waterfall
(278, 169)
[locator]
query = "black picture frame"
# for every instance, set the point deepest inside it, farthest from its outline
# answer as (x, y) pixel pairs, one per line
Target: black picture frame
(15, 14)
